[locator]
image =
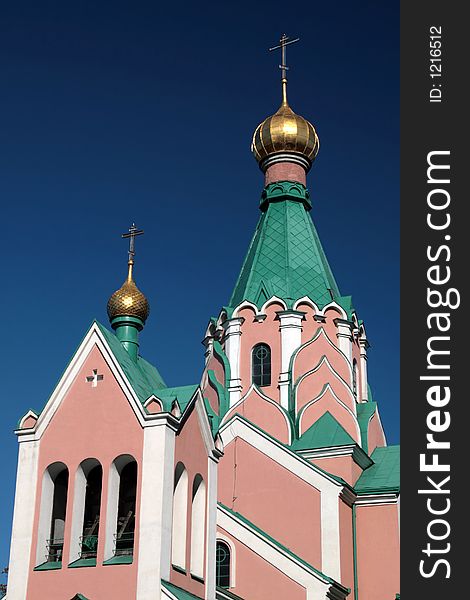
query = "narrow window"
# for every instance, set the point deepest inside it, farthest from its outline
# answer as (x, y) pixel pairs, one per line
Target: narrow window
(52, 514)
(222, 572)
(180, 517)
(91, 514)
(59, 507)
(198, 527)
(261, 365)
(354, 378)
(120, 513)
(126, 511)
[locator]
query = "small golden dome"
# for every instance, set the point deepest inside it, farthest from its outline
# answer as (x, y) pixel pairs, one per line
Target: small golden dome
(128, 301)
(285, 132)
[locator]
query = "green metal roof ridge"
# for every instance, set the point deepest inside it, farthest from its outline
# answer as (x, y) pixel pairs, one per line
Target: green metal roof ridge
(275, 542)
(325, 432)
(285, 257)
(364, 411)
(182, 393)
(384, 474)
(179, 592)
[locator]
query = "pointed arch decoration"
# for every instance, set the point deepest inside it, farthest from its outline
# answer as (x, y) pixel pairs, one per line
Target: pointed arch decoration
(198, 527)
(180, 517)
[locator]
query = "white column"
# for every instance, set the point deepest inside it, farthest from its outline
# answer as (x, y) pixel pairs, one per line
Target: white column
(344, 336)
(363, 343)
(232, 350)
(156, 500)
(330, 536)
(211, 528)
(291, 338)
(23, 518)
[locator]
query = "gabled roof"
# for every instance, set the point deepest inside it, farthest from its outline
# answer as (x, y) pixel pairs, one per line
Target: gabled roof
(324, 433)
(144, 377)
(383, 475)
(285, 259)
(178, 592)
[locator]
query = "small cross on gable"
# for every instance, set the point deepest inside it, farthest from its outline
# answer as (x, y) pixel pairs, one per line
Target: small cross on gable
(93, 379)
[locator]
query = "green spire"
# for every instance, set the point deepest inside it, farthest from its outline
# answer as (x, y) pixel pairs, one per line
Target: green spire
(285, 258)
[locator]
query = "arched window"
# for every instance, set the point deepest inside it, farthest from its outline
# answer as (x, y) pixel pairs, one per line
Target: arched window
(120, 514)
(261, 365)
(354, 378)
(52, 514)
(86, 510)
(222, 571)
(91, 514)
(180, 517)
(198, 527)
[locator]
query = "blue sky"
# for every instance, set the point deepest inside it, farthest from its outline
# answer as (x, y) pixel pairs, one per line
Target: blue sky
(113, 112)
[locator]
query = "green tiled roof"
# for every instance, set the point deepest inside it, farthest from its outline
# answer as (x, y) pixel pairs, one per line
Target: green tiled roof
(285, 259)
(182, 393)
(179, 592)
(144, 378)
(323, 433)
(384, 474)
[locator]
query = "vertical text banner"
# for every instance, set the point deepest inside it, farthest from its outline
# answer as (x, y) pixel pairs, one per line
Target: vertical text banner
(435, 325)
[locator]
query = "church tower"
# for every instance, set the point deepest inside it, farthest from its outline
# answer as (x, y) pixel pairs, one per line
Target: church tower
(270, 479)
(117, 475)
(306, 462)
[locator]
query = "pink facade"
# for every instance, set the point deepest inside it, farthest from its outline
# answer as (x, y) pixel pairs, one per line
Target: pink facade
(90, 423)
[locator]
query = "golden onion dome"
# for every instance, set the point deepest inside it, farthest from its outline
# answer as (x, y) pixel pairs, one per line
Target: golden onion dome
(285, 132)
(128, 300)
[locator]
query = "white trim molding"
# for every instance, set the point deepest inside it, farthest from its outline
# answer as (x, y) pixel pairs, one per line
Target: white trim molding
(156, 500)
(232, 350)
(290, 328)
(316, 584)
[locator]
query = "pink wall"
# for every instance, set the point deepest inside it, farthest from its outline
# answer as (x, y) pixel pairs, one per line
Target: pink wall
(99, 423)
(273, 498)
(266, 415)
(378, 551)
(375, 434)
(191, 451)
(341, 466)
(257, 579)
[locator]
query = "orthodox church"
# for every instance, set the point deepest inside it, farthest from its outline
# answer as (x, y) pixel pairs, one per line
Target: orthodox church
(270, 479)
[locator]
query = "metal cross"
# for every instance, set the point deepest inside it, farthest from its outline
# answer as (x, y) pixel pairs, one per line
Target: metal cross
(93, 379)
(283, 42)
(133, 233)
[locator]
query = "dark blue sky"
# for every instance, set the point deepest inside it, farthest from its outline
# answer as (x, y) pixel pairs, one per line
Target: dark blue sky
(113, 112)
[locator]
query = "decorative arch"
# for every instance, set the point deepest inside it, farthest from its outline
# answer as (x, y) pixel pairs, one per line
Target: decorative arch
(121, 507)
(86, 510)
(198, 526)
(180, 517)
(52, 514)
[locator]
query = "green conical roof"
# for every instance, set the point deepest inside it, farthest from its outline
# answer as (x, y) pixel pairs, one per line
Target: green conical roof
(285, 257)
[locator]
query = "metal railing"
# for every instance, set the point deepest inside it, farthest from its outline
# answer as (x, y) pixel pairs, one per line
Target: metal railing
(54, 550)
(124, 544)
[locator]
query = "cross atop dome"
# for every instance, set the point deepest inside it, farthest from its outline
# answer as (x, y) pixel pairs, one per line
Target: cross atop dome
(283, 42)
